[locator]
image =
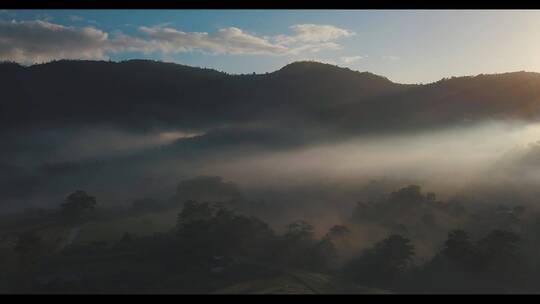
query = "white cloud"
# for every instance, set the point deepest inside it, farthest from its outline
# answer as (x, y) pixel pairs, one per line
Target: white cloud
(313, 33)
(230, 40)
(39, 41)
(351, 59)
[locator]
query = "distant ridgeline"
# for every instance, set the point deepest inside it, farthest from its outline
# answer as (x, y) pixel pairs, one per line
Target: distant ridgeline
(142, 95)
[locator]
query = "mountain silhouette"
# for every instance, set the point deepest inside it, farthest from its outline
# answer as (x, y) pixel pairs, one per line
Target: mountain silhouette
(142, 94)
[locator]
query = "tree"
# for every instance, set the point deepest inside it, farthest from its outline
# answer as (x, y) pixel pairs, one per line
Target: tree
(396, 250)
(490, 265)
(338, 233)
(499, 261)
(498, 250)
(210, 230)
(299, 246)
(460, 249)
(336, 238)
(379, 265)
(327, 250)
(78, 206)
(299, 230)
(194, 211)
(411, 193)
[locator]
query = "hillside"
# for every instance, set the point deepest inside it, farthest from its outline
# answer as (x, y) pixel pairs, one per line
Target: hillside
(141, 95)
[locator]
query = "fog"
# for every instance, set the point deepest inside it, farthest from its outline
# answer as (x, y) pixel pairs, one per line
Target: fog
(445, 160)
(119, 166)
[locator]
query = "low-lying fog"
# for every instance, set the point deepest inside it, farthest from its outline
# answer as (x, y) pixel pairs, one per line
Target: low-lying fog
(118, 166)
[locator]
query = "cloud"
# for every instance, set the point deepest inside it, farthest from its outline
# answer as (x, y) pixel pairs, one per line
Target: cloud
(230, 40)
(313, 33)
(351, 59)
(41, 41)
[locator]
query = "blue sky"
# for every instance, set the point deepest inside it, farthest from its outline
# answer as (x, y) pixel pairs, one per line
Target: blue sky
(405, 46)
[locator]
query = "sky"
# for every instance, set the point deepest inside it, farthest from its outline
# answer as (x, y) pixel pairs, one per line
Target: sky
(406, 46)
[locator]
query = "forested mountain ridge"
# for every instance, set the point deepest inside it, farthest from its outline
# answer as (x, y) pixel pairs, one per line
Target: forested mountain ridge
(141, 94)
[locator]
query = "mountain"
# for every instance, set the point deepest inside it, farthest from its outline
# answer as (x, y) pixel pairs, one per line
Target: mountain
(141, 94)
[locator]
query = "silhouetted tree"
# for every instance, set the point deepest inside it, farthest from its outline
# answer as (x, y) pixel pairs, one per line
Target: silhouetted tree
(338, 233)
(410, 193)
(379, 265)
(206, 230)
(194, 211)
(299, 231)
(327, 250)
(77, 207)
(498, 251)
(299, 246)
(459, 248)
